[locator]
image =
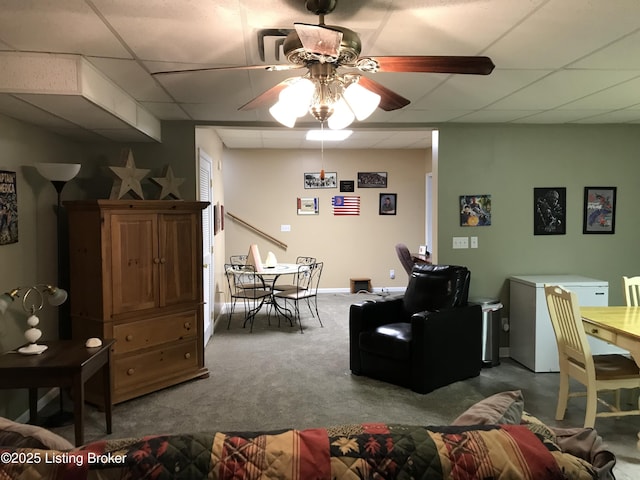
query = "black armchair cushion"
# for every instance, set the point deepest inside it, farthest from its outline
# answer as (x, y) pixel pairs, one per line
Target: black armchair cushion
(392, 341)
(435, 287)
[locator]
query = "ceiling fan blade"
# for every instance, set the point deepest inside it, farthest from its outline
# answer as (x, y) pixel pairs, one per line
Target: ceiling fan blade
(319, 39)
(268, 97)
(435, 64)
(389, 100)
(269, 68)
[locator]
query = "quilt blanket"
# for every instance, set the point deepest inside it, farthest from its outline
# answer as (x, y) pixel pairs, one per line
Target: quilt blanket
(346, 452)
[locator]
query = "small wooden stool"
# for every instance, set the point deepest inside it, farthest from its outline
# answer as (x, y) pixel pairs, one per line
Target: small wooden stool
(359, 284)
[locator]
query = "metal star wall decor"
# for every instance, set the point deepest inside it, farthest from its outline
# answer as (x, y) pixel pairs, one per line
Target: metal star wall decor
(128, 177)
(169, 184)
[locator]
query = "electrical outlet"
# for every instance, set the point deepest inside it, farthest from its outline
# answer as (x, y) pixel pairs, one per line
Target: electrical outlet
(474, 242)
(392, 274)
(460, 242)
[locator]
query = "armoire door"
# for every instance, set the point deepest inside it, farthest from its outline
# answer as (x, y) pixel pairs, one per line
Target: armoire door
(180, 244)
(134, 258)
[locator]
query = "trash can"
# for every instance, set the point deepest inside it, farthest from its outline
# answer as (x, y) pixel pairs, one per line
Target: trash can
(490, 330)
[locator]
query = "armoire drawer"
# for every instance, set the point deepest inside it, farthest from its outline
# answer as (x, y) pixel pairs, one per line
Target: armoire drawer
(142, 334)
(134, 370)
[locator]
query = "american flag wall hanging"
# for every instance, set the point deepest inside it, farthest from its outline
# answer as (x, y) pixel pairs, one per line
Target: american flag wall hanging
(346, 205)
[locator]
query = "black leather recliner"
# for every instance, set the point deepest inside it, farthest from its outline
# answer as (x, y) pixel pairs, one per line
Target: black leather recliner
(426, 339)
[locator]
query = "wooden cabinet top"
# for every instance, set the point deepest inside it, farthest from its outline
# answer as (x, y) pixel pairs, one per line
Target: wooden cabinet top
(106, 204)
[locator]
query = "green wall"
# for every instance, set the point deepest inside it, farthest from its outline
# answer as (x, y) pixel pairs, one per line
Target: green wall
(507, 162)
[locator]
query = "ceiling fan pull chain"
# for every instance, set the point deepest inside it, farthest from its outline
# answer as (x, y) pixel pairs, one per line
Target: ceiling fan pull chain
(322, 151)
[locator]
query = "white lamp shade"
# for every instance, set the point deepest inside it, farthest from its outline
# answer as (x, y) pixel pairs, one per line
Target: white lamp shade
(362, 101)
(61, 172)
(5, 301)
(341, 117)
(57, 296)
(297, 96)
(282, 114)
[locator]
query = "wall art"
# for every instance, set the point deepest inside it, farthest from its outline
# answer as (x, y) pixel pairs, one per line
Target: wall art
(388, 203)
(8, 208)
(550, 211)
(372, 179)
(346, 205)
(347, 185)
(599, 210)
(475, 210)
(308, 206)
(321, 180)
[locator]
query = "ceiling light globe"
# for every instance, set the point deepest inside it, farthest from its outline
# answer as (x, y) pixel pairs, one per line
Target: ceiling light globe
(283, 115)
(362, 101)
(297, 96)
(342, 116)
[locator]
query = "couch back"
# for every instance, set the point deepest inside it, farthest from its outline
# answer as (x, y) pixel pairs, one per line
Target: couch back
(437, 287)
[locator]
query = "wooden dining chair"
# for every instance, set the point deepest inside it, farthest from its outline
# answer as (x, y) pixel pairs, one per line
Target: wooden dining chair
(596, 372)
(631, 287)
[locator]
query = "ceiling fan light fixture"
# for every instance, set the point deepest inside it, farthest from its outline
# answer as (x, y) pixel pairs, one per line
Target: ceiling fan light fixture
(342, 116)
(297, 96)
(283, 114)
(362, 101)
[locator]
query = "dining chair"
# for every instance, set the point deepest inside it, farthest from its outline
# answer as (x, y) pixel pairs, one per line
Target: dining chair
(596, 372)
(308, 280)
(238, 259)
(631, 290)
(294, 284)
(242, 281)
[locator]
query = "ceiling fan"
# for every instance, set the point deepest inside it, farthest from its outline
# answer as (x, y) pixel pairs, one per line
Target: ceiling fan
(335, 97)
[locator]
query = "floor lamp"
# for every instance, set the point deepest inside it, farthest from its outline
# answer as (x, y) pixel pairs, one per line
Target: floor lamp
(59, 174)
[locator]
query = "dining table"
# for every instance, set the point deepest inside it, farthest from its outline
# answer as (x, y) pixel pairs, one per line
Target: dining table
(619, 326)
(270, 275)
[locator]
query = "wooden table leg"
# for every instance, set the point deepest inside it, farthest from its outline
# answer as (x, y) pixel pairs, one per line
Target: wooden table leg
(106, 386)
(33, 406)
(78, 408)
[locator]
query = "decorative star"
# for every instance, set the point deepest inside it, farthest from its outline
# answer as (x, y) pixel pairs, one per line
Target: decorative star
(128, 177)
(169, 184)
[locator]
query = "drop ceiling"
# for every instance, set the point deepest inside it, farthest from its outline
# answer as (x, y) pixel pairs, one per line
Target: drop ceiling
(82, 68)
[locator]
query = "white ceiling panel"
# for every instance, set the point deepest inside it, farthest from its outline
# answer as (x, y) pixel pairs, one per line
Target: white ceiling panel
(557, 61)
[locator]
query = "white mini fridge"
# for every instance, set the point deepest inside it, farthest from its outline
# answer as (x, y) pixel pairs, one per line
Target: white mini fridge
(532, 341)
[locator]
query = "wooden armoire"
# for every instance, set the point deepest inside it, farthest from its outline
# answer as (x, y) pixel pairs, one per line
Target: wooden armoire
(136, 277)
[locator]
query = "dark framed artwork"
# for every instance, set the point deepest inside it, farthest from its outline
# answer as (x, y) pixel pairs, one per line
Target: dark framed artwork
(8, 208)
(321, 180)
(388, 203)
(475, 210)
(550, 211)
(347, 185)
(372, 179)
(599, 210)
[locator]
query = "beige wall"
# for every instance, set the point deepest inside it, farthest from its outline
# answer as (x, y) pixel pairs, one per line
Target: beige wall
(262, 187)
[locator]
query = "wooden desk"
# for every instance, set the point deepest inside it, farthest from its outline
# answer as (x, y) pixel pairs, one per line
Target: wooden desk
(66, 363)
(617, 325)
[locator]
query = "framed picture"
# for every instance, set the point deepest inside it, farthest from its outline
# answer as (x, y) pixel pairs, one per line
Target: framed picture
(388, 203)
(8, 208)
(549, 211)
(475, 210)
(321, 180)
(599, 210)
(347, 185)
(308, 206)
(372, 179)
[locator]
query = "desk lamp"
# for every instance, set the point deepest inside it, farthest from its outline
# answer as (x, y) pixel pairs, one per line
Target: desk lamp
(32, 302)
